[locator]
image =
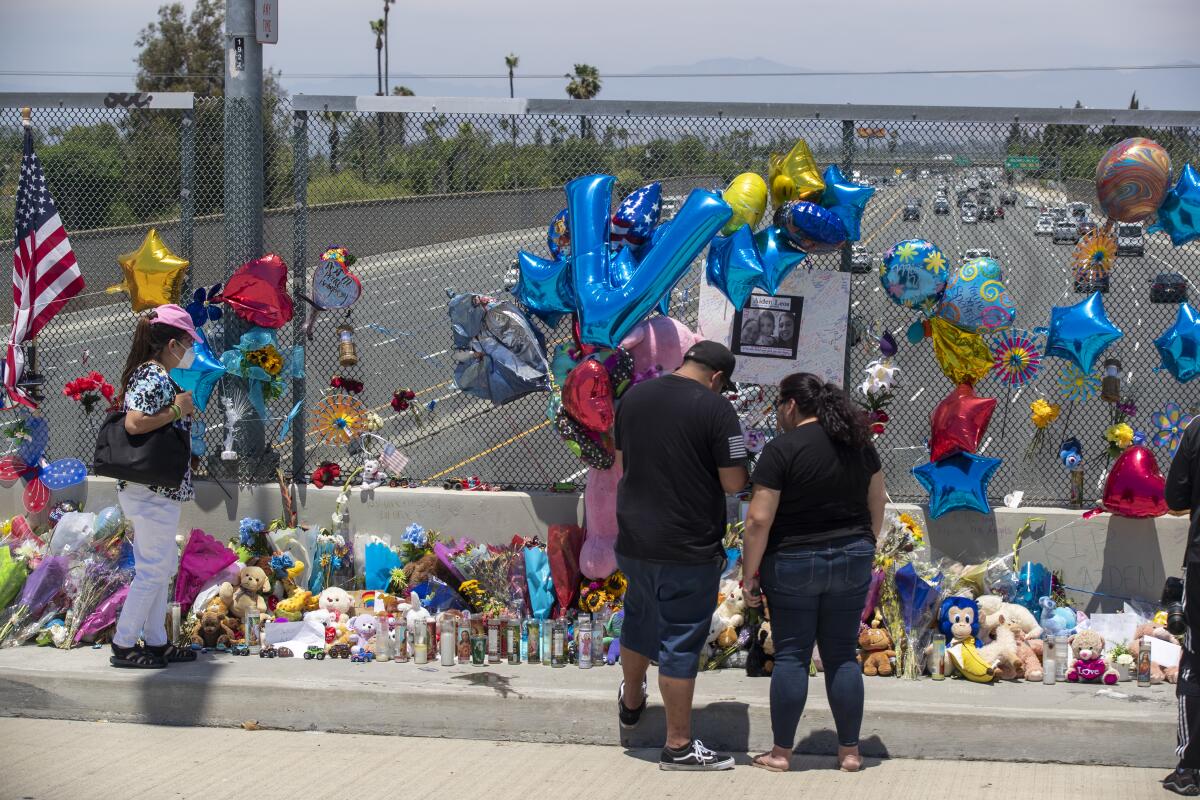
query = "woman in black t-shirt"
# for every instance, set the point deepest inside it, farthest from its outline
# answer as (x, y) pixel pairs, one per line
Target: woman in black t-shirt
(810, 541)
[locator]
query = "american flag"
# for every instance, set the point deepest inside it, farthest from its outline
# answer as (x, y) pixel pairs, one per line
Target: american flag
(393, 461)
(45, 275)
(637, 215)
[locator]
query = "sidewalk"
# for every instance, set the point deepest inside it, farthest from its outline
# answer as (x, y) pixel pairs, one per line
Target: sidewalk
(1067, 723)
(149, 763)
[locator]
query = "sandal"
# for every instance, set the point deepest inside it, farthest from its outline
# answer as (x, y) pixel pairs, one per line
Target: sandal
(761, 762)
(169, 653)
(135, 658)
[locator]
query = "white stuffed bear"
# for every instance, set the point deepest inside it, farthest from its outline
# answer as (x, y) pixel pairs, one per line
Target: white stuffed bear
(733, 608)
(336, 600)
(372, 476)
(992, 607)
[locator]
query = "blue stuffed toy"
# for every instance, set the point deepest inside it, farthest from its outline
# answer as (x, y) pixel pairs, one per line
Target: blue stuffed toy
(961, 605)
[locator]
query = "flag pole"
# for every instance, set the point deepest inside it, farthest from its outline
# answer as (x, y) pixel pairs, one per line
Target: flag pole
(32, 382)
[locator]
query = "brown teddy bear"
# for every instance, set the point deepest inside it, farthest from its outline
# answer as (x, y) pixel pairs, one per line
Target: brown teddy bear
(420, 570)
(1029, 651)
(249, 594)
(1090, 665)
(876, 651)
(211, 630)
(1158, 674)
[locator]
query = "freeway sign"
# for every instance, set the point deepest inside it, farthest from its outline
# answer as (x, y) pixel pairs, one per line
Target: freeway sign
(962, 161)
(1022, 162)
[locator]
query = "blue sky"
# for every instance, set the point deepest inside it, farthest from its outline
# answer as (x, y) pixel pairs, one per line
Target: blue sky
(324, 37)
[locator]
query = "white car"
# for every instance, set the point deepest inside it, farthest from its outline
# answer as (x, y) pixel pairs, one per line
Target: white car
(670, 207)
(1030, 203)
(1065, 231)
(977, 252)
(1043, 227)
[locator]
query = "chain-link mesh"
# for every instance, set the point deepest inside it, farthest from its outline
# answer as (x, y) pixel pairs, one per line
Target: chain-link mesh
(436, 202)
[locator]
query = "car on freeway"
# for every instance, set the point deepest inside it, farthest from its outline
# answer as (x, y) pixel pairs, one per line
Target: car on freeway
(1058, 212)
(941, 206)
(912, 211)
(999, 212)
(1043, 227)
(1008, 198)
(860, 260)
(972, 253)
(1130, 239)
(1079, 211)
(1030, 203)
(1083, 228)
(1089, 280)
(969, 213)
(1168, 287)
(670, 206)
(985, 199)
(987, 213)
(1064, 231)
(512, 275)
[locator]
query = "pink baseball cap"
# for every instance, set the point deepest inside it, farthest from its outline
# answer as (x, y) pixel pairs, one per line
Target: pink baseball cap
(176, 317)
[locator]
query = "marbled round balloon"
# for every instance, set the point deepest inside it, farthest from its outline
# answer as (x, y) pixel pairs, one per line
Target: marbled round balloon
(976, 299)
(1132, 178)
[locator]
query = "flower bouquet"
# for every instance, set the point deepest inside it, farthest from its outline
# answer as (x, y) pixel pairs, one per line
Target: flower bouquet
(43, 583)
(877, 390)
(916, 588)
(1042, 413)
(99, 579)
(487, 585)
(89, 390)
(12, 575)
(902, 538)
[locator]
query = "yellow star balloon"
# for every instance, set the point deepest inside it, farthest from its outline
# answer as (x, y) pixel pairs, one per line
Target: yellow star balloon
(794, 176)
(747, 196)
(153, 274)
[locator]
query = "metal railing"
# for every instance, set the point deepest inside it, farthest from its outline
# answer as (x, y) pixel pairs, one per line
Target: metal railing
(434, 194)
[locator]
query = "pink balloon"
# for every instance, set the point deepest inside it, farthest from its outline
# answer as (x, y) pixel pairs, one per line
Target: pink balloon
(1135, 486)
(588, 397)
(598, 558)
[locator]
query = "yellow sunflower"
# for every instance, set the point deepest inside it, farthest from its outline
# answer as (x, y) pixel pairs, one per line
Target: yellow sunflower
(616, 584)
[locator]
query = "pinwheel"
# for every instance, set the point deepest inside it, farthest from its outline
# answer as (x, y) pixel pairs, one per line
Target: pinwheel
(338, 419)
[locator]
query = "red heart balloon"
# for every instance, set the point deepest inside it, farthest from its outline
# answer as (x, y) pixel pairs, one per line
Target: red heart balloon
(257, 292)
(959, 422)
(1135, 486)
(587, 396)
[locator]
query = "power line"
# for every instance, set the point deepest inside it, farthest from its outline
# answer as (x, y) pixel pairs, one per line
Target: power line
(634, 75)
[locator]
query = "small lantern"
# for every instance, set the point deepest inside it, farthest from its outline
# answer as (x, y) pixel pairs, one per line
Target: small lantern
(1110, 384)
(347, 354)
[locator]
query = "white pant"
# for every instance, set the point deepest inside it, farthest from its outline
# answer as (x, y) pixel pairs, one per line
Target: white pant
(156, 558)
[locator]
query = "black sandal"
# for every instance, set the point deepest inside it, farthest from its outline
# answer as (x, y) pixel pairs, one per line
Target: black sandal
(169, 653)
(135, 658)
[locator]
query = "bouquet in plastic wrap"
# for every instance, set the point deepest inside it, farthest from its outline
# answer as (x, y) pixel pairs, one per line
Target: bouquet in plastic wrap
(12, 575)
(44, 583)
(333, 561)
(487, 578)
(902, 537)
(538, 582)
(564, 543)
(916, 588)
(97, 580)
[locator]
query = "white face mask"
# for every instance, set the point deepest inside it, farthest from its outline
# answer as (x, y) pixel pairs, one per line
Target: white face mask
(189, 356)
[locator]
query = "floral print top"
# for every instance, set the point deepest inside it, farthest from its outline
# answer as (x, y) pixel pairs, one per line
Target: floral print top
(151, 391)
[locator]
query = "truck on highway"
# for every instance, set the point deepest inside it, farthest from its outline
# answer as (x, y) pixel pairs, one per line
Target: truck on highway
(1130, 239)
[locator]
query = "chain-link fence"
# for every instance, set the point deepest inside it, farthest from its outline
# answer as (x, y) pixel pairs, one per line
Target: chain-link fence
(436, 197)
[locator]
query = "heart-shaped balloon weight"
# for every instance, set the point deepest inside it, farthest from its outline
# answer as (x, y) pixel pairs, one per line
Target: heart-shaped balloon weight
(588, 396)
(334, 286)
(1135, 487)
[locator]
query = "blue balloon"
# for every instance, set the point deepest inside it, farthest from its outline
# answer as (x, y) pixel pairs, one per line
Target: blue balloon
(558, 236)
(777, 256)
(621, 266)
(810, 227)
(544, 287)
(635, 219)
(1080, 333)
(203, 375)
(957, 481)
(1179, 214)
(976, 299)
(913, 274)
(1179, 345)
(607, 313)
(733, 266)
(845, 199)
(1033, 584)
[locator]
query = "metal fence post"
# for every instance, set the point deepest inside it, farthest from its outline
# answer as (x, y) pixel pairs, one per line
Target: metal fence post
(299, 272)
(187, 198)
(848, 168)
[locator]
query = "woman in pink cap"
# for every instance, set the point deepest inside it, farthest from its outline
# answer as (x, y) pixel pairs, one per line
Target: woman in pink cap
(163, 340)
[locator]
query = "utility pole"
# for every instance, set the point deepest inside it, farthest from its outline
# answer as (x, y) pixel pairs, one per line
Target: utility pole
(243, 172)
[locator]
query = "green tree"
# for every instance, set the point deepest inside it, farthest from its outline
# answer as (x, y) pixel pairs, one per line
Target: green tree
(85, 171)
(181, 53)
(584, 84)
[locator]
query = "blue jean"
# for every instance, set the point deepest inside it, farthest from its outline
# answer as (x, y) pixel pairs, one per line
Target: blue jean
(816, 593)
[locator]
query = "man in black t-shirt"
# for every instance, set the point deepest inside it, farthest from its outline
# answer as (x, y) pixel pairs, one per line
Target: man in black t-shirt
(1183, 497)
(681, 447)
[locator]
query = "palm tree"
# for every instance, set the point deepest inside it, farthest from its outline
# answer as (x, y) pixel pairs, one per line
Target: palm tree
(378, 26)
(401, 91)
(583, 85)
(386, 7)
(512, 62)
(334, 117)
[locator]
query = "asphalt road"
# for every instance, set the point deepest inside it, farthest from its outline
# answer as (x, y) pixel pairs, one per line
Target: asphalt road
(403, 340)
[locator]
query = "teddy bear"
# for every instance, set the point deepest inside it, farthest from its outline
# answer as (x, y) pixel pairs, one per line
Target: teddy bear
(336, 600)
(211, 631)
(1158, 673)
(249, 594)
(992, 607)
(421, 570)
(1029, 651)
(1089, 666)
(372, 476)
(363, 629)
(760, 661)
(733, 607)
(875, 649)
(1001, 650)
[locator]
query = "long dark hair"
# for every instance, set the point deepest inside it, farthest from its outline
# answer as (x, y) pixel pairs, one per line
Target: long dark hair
(843, 421)
(150, 338)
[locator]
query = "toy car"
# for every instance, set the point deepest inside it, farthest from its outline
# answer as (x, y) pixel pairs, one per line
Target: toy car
(240, 649)
(268, 652)
(363, 658)
(339, 651)
(284, 652)
(1168, 287)
(316, 652)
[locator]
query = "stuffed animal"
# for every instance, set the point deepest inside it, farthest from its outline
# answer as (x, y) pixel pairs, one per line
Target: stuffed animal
(760, 661)
(875, 650)
(292, 608)
(421, 570)
(1001, 651)
(1056, 620)
(1090, 666)
(372, 476)
(250, 593)
(992, 607)
(597, 559)
(210, 632)
(363, 630)
(1158, 673)
(1029, 651)
(417, 614)
(958, 621)
(733, 607)
(336, 600)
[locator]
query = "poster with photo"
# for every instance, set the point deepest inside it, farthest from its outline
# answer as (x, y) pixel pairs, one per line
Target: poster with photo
(801, 329)
(768, 327)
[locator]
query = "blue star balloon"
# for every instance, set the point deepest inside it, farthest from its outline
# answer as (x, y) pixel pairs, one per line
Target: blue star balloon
(845, 199)
(1080, 333)
(635, 219)
(1179, 214)
(733, 266)
(544, 287)
(1179, 345)
(203, 375)
(957, 481)
(777, 256)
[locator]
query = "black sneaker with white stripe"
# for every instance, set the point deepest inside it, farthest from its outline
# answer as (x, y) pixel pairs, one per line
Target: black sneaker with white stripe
(1183, 781)
(629, 717)
(695, 757)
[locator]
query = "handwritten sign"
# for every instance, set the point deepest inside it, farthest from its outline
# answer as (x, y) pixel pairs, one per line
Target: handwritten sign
(334, 286)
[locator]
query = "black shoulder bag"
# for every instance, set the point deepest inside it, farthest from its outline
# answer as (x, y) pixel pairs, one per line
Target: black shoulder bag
(160, 457)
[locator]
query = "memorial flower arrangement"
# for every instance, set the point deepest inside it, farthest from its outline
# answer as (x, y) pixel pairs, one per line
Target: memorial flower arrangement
(89, 390)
